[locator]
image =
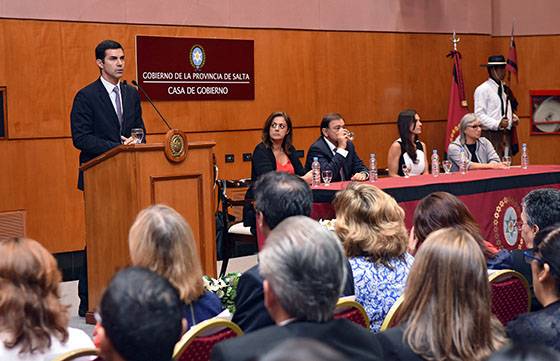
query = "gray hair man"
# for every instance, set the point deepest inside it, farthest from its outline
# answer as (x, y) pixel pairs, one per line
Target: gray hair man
(540, 209)
(303, 267)
(277, 197)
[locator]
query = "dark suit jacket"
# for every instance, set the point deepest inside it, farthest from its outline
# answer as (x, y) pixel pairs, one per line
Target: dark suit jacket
(353, 341)
(394, 347)
(264, 162)
(351, 165)
(94, 122)
(250, 312)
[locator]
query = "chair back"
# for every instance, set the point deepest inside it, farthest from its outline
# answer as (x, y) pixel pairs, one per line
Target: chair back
(197, 343)
(510, 295)
(231, 196)
(78, 353)
(391, 319)
(351, 310)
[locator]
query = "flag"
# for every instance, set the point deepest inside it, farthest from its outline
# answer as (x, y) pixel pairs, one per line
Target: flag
(511, 66)
(457, 100)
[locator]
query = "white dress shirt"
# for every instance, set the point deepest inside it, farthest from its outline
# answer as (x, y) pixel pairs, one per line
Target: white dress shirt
(110, 89)
(334, 149)
(488, 108)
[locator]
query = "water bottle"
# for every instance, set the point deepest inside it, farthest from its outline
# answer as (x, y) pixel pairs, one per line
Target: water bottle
(524, 156)
(315, 172)
(372, 167)
(463, 162)
(435, 163)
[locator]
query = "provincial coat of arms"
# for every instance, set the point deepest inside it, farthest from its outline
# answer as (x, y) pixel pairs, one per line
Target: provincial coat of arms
(197, 56)
(506, 224)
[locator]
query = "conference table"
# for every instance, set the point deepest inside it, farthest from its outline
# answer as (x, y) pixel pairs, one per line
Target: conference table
(493, 196)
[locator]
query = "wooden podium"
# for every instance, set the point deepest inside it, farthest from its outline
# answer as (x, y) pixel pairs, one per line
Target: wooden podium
(126, 179)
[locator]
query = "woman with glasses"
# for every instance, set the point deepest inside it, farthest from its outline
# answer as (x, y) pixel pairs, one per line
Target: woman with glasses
(274, 153)
(33, 321)
(478, 151)
(408, 150)
(542, 327)
(446, 313)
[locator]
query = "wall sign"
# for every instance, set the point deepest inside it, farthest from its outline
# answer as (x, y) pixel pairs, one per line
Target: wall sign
(195, 69)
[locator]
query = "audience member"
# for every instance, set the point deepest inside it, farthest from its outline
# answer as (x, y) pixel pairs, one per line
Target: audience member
(139, 317)
(277, 197)
(446, 313)
(370, 224)
(542, 327)
(336, 152)
(441, 210)
(302, 349)
(303, 267)
(525, 352)
(33, 322)
(274, 153)
(478, 151)
(161, 240)
(540, 208)
(408, 149)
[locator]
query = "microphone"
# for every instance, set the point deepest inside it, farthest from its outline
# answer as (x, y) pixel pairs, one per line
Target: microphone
(151, 102)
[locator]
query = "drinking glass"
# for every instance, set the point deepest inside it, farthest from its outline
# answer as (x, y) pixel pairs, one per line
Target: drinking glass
(350, 134)
(406, 170)
(137, 134)
(327, 177)
(506, 161)
(447, 166)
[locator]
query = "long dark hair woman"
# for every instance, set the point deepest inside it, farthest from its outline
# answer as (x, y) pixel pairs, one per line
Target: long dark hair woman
(274, 153)
(408, 150)
(446, 313)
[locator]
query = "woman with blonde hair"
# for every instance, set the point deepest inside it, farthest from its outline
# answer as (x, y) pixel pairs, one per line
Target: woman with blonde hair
(161, 240)
(33, 322)
(370, 224)
(445, 314)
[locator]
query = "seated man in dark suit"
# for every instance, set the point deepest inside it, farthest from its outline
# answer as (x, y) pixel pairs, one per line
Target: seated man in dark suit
(139, 317)
(336, 152)
(277, 197)
(303, 267)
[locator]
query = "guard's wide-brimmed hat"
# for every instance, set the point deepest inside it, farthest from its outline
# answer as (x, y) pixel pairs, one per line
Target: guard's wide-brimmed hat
(495, 60)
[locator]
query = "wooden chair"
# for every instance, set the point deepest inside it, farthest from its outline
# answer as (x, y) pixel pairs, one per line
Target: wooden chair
(510, 294)
(233, 230)
(391, 319)
(351, 310)
(197, 343)
(78, 353)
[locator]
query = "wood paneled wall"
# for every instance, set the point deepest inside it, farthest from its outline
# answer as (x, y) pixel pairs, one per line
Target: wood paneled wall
(367, 77)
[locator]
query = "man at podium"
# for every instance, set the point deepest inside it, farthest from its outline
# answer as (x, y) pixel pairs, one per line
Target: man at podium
(102, 117)
(105, 111)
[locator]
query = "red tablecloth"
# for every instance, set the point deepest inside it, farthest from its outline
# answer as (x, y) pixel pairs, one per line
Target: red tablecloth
(493, 196)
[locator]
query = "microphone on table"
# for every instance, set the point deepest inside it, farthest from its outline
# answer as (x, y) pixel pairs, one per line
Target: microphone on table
(151, 102)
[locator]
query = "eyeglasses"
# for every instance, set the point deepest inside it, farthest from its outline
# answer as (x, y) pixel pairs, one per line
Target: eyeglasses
(474, 126)
(278, 126)
(529, 256)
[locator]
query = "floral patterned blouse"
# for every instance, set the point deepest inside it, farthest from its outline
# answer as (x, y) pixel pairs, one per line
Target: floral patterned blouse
(377, 286)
